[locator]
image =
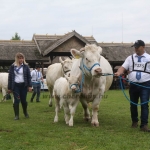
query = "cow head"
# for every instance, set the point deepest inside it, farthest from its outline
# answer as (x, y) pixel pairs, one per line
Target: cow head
(66, 64)
(73, 82)
(90, 59)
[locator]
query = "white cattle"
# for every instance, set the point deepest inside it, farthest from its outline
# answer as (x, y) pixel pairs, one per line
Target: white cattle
(4, 84)
(92, 67)
(56, 71)
(66, 94)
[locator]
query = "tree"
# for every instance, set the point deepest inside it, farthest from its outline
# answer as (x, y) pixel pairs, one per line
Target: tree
(16, 37)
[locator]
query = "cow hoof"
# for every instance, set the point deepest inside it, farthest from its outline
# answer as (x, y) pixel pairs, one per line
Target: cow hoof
(70, 124)
(55, 119)
(95, 124)
(87, 119)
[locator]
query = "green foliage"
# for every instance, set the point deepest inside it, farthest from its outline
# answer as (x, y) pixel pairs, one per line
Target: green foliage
(16, 37)
(40, 133)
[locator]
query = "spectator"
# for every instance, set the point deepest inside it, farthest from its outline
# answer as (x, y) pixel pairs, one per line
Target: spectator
(37, 77)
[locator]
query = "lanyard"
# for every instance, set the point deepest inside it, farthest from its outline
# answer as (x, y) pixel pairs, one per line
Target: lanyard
(17, 69)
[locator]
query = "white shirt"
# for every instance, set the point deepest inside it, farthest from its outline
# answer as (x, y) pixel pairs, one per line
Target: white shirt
(36, 76)
(128, 65)
(19, 78)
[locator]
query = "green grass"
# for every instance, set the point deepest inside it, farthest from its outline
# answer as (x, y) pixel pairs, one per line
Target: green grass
(40, 133)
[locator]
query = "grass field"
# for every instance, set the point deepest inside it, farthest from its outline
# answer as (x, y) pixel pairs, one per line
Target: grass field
(40, 133)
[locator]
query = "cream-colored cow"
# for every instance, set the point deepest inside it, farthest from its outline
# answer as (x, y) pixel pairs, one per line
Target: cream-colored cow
(4, 84)
(66, 93)
(92, 66)
(56, 71)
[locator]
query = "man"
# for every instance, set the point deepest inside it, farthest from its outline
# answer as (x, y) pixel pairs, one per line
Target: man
(137, 66)
(37, 77)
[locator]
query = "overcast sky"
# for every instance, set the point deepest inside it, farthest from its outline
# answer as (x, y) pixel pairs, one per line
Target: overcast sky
(106, 20)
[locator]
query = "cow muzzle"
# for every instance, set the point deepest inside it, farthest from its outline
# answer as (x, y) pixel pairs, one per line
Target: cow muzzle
(98, 72)
(73, 88)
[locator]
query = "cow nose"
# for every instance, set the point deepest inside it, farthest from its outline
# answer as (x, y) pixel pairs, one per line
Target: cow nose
(73, 88)
(98, 70)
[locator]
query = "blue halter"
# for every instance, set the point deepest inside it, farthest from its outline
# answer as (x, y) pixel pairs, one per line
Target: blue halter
(76, 84)
(82, 79)
(89, 69)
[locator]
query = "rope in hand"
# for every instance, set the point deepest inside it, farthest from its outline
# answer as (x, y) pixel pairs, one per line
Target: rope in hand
(120, 78)
(126, 95)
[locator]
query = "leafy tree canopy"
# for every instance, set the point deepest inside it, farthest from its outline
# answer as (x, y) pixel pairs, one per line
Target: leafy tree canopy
(16, 37)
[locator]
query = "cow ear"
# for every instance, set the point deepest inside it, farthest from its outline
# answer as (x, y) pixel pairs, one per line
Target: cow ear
(60, 60)
(100, 50)
(75, 53)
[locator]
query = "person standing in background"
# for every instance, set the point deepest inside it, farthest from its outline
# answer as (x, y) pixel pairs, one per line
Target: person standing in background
(115, 83)
(19, 81)
(37, 77)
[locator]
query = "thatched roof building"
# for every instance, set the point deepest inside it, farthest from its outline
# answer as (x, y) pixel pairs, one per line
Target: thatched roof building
(8, 49)
(54, 46)
(45, 49)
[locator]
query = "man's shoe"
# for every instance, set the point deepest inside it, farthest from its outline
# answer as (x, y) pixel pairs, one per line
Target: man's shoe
(145, 128)
(134, 125)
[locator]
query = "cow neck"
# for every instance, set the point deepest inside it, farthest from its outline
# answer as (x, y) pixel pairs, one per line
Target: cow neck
(89, 80)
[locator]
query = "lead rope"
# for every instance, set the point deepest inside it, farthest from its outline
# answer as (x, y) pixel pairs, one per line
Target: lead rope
(126, 95)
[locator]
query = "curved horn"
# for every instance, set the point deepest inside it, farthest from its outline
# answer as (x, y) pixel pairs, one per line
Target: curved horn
(60, 60)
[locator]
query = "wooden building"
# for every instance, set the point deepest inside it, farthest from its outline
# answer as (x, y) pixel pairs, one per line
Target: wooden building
(45, 49)
(9, 48)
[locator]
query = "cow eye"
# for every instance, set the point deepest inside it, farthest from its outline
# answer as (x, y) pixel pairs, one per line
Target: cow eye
(87, 60)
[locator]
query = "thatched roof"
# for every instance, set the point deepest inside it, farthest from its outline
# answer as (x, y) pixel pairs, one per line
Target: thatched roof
(119, 51)
(8, 49)
(42, 46)
(47, 43)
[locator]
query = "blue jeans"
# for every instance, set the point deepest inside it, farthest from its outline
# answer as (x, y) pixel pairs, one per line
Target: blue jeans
(137, 92)
(36, 90)
(20, 93)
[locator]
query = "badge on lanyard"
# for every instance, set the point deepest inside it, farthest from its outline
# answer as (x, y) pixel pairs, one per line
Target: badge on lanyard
(139, 66)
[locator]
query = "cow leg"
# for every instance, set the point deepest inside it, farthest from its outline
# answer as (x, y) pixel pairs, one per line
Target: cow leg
(57, 107)
(61, 102)
(86, 110)
(50, 95)
(4, 94)
(72, 112)
(66, 112)
(95, 108)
